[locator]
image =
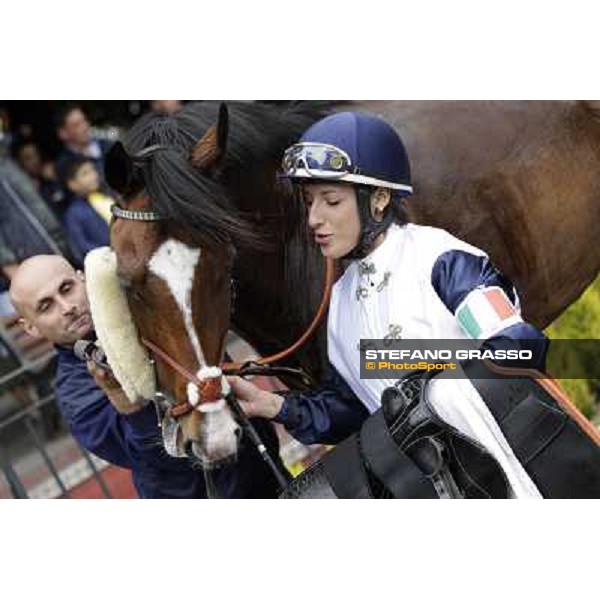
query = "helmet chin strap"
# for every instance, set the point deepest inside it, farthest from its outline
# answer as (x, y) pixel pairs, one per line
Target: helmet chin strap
(371, 229)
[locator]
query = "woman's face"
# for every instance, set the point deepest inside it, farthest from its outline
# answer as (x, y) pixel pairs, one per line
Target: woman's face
(333, 217)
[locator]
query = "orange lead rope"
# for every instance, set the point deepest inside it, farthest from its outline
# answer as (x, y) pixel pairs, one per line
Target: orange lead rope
(318, 318)
(210, 389)
(552, 386)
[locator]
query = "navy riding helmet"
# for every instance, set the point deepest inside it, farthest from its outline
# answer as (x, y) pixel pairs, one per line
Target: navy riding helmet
(355, 148)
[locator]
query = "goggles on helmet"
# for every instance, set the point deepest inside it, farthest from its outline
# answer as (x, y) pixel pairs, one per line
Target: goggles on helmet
(318, 160)
(324, 161)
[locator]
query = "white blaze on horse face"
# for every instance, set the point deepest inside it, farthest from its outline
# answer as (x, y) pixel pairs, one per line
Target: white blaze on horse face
(175, 263)
(218, 429)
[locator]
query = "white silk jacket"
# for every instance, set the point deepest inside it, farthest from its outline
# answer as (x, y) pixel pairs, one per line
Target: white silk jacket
(415, 285)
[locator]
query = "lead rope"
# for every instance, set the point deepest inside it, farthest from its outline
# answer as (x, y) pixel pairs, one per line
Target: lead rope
(233, 368)
(230, 368)
(212, 493)
(255, 439)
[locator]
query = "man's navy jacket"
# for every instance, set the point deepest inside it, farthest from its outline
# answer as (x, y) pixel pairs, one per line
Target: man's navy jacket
(134, 442)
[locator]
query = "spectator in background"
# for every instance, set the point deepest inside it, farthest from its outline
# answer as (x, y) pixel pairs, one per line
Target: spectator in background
(42, 174)
(73, 129)
(88, 215)
(27, 226)
(166, 107)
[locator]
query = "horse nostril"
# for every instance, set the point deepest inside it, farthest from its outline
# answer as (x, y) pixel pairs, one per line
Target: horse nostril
(187, 448)
(125, 281)
(238, 433)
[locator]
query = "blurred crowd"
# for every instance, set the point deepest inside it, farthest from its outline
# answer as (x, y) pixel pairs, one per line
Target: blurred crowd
(51, 202)
(54, 204)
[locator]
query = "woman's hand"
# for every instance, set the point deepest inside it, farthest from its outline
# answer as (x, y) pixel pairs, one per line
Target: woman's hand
(254, 401)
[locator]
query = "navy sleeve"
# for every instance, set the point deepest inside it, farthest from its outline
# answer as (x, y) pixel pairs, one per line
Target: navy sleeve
(521, 336)
(456, 273)
(123, 440)
(323, 416)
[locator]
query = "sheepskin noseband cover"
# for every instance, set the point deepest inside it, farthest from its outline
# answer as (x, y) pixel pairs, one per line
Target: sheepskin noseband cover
(116, 331)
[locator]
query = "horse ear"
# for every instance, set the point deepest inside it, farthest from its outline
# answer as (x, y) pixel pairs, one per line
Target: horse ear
(118, 169)
(209, 151)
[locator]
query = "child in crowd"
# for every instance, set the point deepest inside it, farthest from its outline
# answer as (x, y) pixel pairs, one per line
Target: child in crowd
(88, 216)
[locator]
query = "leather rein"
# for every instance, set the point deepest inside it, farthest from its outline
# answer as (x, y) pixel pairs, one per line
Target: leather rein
(210, 389)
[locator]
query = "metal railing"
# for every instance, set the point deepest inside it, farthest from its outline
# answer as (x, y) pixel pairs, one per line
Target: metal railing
(27, 416)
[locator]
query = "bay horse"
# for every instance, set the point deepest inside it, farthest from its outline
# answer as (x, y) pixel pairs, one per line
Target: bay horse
(518, 179)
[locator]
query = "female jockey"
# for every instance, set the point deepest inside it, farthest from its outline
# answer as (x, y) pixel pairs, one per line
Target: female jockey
(402, 280)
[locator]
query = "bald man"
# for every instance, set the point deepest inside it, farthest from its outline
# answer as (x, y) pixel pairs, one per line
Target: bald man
(51, 298)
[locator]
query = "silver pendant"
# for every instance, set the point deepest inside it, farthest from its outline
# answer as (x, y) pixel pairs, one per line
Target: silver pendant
(394, 333)
(384, 281)
(361, 293)
(365, 268)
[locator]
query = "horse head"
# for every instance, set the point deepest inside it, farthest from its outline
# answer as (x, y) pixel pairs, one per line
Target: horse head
(177, 278)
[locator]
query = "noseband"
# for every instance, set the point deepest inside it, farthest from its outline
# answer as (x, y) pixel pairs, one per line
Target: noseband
(210, 389)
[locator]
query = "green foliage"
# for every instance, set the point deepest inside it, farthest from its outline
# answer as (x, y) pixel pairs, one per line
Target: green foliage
(582, 393)
(581, 321)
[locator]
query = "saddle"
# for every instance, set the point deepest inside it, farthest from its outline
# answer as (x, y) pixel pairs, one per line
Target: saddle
(407, 450)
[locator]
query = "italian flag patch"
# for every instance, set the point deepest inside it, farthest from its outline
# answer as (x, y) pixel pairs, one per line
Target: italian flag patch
(485, 312)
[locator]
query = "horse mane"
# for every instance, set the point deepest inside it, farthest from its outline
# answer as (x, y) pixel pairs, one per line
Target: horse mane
(259, 132)
(242, 202)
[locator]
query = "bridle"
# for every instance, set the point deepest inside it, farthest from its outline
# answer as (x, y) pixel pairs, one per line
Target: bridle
(134, 215)
(210, 389)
